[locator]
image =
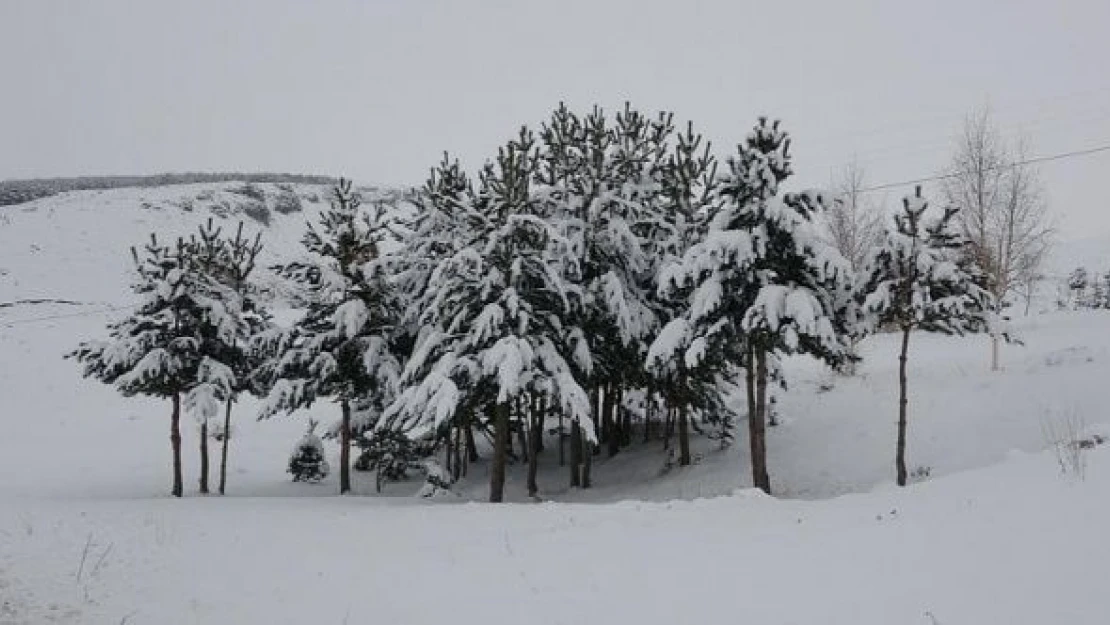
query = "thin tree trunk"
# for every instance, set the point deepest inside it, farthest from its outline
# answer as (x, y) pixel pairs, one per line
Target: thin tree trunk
(500, 451)
(758, 426)
(562, 442)
(668, 425)
(522, 433)
(608, 407)
(345, 450)
(575, 453)
(535, 434)
(903, 401)
(625, 418)
(204, 457)
(683, 437)
(994, 352)
(649, 410)
(471, 446)
(456, 451)
(587, 460)
(449, 451)
(175, 443)
(224, 447)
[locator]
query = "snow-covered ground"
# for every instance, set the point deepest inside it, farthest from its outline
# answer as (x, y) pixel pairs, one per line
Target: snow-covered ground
(995, 534)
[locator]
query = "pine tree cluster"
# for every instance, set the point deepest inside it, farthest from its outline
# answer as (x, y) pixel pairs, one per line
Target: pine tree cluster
(603, 281)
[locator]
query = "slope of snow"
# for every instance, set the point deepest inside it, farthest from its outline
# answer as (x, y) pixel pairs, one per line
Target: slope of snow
(87, 534)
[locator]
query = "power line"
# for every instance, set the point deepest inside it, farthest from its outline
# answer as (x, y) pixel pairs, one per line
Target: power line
(1028, 161)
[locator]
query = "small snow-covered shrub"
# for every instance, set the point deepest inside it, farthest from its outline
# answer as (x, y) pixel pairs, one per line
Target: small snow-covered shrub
(308, 463)
(921, 473)
(251, 191)
(287, 202)
(391, 454)
(437, 480)
(258, 212)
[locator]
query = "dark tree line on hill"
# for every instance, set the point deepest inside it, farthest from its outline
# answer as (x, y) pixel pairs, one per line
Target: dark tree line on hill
(20, 191)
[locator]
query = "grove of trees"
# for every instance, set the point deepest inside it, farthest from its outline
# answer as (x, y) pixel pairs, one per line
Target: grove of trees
(603, 281)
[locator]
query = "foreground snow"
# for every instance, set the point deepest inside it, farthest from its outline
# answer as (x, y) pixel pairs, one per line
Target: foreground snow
(1017, 544)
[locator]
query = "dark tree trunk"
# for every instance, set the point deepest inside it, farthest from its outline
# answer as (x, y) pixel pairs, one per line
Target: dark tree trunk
(587, 460)
(608, 407)
(668, 425)
(204, 457)
(625, 417)
(903, 401)
(534, 436)
(500, 452)
(575, 454)
(522, 433)
(541, 408)
(471, 446)
(599, 403)
(224, 447)
(683, 437)
(449, 451)
(345, 450)
(757, 427)
(649, 412)
(456, 451)
(562, 442)
(175, 443)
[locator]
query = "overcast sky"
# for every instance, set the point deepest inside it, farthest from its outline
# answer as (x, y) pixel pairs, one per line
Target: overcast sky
(378, 90)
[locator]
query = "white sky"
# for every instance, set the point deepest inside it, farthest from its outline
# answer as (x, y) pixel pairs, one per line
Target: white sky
(378, 90)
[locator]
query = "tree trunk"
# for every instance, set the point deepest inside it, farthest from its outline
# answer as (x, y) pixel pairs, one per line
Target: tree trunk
(994, 352)
(668, 425)
(625, 417)
(500, 451)
(345, 450)
(649, 410)
(175, 443)
(575, 453)
(757, 427)
(224, 447)
(608, 406)
(522, 434)
(471, 446)
(562, 442)
(683, 437)
(204, 457)
(456, 451)
(903, 401)
(587, 460)
(534, 437)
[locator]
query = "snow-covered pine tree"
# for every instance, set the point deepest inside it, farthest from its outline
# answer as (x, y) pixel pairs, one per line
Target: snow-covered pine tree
(1100, 291)
(445, 222)
(342, 347)
(158, 350)
(763, 281)
(308, 462)
(920, 279)
(680, 368)
(596, 182)
(229, 262)
(496, 312)
(1078, 286)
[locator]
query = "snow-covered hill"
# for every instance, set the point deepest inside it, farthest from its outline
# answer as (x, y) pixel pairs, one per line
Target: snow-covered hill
(75, 245)
(991, 532)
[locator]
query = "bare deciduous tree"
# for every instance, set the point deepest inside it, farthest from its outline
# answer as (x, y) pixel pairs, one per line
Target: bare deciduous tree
(855, 226)
(855, 223)
(1002, 212)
